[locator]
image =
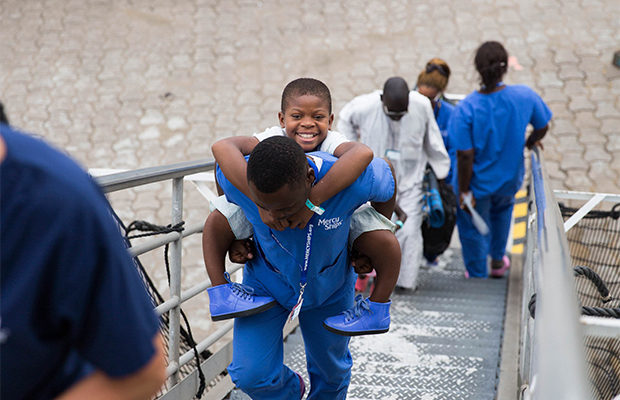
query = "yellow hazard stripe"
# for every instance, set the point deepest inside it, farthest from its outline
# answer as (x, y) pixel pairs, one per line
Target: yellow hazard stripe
(519, 215)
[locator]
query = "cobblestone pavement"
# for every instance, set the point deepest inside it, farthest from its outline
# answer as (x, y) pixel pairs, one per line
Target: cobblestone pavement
(137, 83)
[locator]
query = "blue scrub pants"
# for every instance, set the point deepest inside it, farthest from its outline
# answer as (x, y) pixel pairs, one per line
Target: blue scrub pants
(258, 367)
(496, 210)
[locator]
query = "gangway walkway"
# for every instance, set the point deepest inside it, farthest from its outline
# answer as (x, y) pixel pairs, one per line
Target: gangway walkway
(444, 341)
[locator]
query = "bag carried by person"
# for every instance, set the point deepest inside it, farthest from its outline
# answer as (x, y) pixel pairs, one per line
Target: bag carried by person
(440, 209)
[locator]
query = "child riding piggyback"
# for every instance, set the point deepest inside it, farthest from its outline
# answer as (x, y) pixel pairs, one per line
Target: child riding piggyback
(306, 117)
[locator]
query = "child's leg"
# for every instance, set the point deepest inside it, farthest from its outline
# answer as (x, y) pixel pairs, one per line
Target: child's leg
(384, 252)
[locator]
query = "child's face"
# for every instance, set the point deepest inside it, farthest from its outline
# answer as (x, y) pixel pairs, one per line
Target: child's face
(306, 120)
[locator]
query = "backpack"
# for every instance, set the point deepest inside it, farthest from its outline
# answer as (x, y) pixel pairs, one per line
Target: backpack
(435, 233)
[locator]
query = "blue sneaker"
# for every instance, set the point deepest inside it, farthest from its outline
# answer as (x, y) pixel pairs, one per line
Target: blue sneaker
(365, 318)
(234, 300)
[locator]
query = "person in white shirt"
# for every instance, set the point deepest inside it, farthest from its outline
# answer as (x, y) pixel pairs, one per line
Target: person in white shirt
(399, 125)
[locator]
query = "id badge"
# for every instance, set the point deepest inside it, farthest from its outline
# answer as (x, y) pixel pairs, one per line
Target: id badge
(295, 311)
(392, 154)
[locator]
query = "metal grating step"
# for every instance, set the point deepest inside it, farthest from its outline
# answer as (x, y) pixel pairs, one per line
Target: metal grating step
(444, 341)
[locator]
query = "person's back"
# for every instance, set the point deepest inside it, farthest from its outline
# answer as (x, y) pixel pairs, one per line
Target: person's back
(499, 120)
(64, 275)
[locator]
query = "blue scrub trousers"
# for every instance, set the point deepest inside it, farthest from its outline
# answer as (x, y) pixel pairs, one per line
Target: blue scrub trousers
(258, 368)
(496, 210)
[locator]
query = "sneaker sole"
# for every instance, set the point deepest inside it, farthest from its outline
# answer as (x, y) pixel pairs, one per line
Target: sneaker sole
(245, 313)
(357, 333)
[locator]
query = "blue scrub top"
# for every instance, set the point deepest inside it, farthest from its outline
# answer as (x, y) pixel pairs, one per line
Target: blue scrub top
(494, 125)
(276, 268)
(443, 112)
(71, 299)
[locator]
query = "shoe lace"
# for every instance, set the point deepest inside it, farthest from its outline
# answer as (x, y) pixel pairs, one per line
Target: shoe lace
(240, 290)
(361, 304)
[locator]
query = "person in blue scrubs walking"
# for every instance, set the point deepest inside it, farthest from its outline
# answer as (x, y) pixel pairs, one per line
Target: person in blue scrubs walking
(432, 83)
(307, 271)
(487, 130)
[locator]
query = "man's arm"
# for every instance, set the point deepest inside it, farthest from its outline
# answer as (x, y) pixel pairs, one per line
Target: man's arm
(434, 146)
(229, 154)
(143, 384)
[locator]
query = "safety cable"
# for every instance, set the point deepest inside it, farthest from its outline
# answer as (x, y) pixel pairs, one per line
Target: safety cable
(586, 310)
(151, 230)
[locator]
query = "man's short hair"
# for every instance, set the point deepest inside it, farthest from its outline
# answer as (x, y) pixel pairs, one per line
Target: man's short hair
(305, 86)
(3, 118)
(396, 94)
(276, 162)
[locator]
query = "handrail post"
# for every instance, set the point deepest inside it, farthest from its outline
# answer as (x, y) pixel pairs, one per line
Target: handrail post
(174, 314)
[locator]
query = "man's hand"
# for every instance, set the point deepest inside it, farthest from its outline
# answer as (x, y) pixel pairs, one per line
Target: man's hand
(361, 263)
(241, 251)
(301, 218)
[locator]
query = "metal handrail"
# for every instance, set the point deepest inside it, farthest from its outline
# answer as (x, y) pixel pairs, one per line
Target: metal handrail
(213, 366)
(552, 358)
(143, 176)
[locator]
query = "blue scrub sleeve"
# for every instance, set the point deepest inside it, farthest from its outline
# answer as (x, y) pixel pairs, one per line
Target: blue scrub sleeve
(460, 129)
(541, 114)
(104, 295)
(378, 177)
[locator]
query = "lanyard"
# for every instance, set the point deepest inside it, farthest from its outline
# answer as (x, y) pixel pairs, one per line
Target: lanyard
(303, 280)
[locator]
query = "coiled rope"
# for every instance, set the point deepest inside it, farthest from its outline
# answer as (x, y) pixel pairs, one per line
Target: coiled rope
(585, 310)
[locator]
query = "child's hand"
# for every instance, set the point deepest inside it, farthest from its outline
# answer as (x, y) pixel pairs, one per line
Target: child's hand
(240, 251)
(361, 263)
(301, 218)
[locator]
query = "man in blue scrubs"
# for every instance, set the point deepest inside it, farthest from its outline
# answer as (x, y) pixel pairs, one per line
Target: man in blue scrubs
(307, 271)
(75, 318)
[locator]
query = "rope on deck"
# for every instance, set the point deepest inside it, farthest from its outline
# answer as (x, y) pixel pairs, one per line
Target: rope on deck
(592, 311)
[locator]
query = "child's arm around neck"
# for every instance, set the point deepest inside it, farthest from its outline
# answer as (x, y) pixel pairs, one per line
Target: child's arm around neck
(229, 154)
(353, 158)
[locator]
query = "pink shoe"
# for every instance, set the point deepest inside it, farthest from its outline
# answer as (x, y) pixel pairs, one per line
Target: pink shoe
(466, 273)
(499, 272)
(302, 385)
(361, 283)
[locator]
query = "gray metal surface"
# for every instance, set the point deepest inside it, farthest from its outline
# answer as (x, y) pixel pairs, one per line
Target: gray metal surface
(444, 341)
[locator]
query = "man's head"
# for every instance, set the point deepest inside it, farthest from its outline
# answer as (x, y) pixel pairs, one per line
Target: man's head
(3, 118)
(306, 112)
(279, 177)
(395, 98)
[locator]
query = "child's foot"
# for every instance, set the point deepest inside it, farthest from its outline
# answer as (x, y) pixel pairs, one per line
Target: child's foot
(365, 318)
(499, 268)
(234, 300)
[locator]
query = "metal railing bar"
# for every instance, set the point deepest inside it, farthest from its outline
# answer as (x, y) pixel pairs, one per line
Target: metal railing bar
(143, 176)
(601, 327)
(189, 293)
(586, 208)
(174, 315)
(154, 243)
(558, 342)
(573, 195)
(202, 346)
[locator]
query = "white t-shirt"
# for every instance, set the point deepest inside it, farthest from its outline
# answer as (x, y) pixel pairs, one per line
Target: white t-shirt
(329, 145)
